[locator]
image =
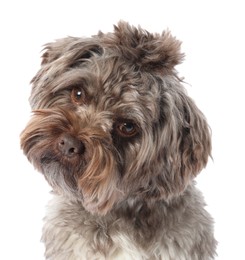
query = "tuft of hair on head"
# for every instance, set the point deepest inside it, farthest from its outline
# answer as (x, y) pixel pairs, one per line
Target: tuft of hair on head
(147, 51)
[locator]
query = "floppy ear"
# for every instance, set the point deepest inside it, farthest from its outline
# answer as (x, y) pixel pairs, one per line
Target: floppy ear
(195, 140)
(146, 51)
(184, 142)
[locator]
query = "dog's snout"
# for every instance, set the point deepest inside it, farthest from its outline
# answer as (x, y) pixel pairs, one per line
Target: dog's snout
(70, 146)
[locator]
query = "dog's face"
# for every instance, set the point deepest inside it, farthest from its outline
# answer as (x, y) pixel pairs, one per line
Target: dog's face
(111, 119)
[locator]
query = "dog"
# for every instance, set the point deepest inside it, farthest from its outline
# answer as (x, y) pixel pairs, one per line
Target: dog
(120, 142)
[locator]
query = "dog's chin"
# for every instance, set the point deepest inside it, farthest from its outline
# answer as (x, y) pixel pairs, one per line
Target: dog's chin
(60, 178)
(82, 182)
(66, 183)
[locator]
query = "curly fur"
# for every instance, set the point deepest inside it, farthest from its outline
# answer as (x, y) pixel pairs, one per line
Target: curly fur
(120, 197)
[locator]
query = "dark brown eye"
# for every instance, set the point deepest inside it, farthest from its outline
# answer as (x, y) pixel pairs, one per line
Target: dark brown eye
(126, 129)
(78, 95)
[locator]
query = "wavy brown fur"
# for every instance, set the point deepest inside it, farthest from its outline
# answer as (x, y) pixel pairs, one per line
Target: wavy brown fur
(119, 195)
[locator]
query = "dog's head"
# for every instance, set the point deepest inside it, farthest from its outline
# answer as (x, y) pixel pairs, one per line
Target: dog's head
(111, 119)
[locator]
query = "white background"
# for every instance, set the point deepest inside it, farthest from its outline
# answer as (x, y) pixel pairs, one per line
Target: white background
(213, 40)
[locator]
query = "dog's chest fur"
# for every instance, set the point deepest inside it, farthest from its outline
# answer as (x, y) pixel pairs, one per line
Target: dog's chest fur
(178, 231)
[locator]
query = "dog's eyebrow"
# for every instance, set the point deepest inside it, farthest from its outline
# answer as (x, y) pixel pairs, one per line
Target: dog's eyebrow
(86, 54)
(71, 78)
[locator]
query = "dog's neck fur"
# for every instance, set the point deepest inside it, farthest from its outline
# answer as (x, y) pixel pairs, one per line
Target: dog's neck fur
(132, 230)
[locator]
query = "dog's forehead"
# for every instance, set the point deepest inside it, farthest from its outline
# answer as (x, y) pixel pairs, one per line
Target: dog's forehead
(109, 81)
(114, 85)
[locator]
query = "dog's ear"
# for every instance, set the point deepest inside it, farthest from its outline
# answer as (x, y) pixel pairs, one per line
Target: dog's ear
(194, 140)
(185, 143)
(146, 51)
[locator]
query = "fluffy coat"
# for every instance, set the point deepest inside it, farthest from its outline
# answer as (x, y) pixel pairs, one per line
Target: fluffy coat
(119, 140)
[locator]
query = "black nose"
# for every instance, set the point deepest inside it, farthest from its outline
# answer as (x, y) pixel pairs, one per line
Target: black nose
(70, 146)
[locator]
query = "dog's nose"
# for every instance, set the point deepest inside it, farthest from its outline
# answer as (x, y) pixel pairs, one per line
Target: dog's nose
(70, 146)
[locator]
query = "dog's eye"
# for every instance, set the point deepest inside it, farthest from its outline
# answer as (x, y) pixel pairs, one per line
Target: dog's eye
(126, 129)
(78, 96)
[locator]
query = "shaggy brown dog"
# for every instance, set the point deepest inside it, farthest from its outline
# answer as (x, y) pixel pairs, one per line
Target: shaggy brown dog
(120, 142)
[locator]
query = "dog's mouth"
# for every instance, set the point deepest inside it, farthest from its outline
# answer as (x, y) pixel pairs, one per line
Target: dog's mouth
(64, 162)
(48, 159)
(89, 175)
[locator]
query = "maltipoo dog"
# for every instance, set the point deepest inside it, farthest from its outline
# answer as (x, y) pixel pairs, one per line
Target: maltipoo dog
(118, 139)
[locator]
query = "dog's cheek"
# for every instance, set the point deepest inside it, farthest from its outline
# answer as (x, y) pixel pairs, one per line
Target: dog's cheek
(175, 157)
(31, 146)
